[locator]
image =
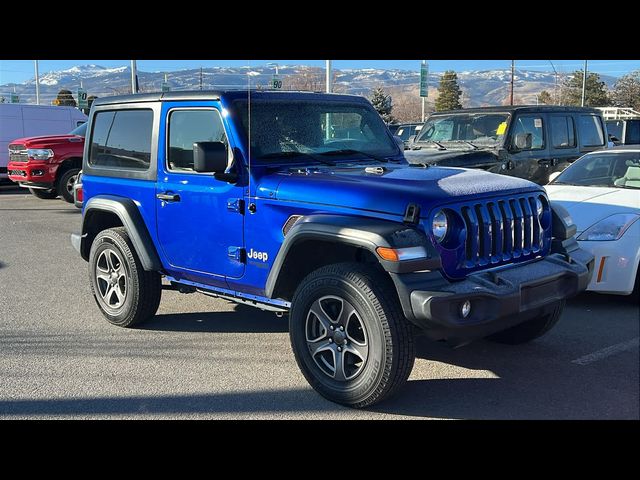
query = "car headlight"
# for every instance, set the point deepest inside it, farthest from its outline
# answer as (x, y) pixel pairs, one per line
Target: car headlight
(40, 153)
(439, 226)
(610, 228)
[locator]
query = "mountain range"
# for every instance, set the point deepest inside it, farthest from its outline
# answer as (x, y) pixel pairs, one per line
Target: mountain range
(480, 88)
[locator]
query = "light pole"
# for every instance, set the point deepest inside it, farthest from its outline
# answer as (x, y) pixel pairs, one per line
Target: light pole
(556, 87)
(273, 65)
(35, 64)
(328, 76)
(513, 70)
(584, 82)
(134, 74)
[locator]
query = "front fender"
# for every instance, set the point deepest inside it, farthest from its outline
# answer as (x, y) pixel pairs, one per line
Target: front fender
(363, 232)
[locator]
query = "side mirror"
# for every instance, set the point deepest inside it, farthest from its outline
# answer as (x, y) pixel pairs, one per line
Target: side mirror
(553, 176)
(399, 142)
(523, 141)
(209, 157)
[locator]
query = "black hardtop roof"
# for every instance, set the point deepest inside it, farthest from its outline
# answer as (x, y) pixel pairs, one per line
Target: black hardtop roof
(522, 108)
(218, 94)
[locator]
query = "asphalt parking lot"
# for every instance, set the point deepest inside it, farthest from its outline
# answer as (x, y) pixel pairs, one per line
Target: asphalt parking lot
(208, 358)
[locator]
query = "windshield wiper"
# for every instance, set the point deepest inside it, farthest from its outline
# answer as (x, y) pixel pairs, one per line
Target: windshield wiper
(414, 146)
(348, 151)
(475, 147)
(295, 154)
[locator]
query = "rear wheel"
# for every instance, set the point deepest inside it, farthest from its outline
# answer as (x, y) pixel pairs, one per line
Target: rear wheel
(66, 182)
(529, 330)
(349, 335)
(125, 293)
(44, 194)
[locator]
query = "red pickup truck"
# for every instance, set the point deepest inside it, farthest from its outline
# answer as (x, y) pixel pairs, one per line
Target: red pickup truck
(48, 166)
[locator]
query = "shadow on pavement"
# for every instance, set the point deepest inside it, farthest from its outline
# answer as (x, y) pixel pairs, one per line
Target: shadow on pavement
(268, 401)
(7, 189)
(242, 319)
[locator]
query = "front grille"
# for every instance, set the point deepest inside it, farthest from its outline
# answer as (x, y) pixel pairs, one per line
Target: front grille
(495, 232)
(18, 153)
(17, 173)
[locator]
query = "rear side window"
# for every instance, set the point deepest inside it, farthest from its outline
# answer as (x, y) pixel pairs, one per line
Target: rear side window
(614, 128)
(562, 132)
(633, 132)
(591, 131)
(122, 139)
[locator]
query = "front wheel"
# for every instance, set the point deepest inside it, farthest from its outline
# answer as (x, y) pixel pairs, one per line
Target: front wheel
(531, 329)
(349, 335)
(66, 182)
(125, 293)
(44, 194)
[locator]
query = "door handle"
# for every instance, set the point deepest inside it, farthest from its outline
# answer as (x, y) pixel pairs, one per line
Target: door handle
(168, 197)
(548, 162)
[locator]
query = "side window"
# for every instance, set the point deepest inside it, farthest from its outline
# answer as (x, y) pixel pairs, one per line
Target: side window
(591, 131)
(530, 125)
(633, 132)
(562, 132)
(122, 139)
(187, 127)
(614, 129)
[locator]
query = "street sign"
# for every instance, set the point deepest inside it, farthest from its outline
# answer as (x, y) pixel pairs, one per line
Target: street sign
(15, 98)
(424, 80)
(276, 83)
(82, 99)
(165, 87)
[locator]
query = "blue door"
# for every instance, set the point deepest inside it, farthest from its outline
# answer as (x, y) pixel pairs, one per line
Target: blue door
(199, 230)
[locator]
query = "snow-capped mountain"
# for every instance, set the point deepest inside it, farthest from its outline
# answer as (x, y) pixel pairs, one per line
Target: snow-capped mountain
(489, 87)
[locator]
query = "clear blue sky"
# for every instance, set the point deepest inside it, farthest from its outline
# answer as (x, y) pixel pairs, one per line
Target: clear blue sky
(20, 70)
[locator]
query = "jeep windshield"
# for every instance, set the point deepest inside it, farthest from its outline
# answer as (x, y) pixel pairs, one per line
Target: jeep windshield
(304, 131)
(467, 131)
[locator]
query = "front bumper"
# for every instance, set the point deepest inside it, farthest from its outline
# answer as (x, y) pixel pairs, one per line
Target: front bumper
(499, 298)
(32, 174)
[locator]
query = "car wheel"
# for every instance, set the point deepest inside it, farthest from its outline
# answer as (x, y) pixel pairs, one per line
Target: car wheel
(125, 293)
(44, 194)
(530, 330)
(349, 335)
(65, 184)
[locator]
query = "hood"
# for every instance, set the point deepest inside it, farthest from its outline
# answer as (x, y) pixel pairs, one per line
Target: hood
(452, 158)
(46, 141)
(389, 191)
(588, 205)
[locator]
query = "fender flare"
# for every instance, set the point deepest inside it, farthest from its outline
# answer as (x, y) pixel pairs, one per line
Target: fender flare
(129, 214)
(363, 232)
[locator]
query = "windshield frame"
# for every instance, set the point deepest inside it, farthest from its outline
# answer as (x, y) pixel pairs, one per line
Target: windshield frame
(306, 158)
(499, 143)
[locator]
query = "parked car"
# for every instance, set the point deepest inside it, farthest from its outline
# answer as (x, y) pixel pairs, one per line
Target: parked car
(407, 130)
(18, 120)
(601, 191)
(358, 247)
(393, 128)
(48, 165)
(624, 132)
(523, 141)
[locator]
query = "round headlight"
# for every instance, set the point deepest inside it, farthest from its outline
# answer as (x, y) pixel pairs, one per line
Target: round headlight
(439, 226)
(539, 206)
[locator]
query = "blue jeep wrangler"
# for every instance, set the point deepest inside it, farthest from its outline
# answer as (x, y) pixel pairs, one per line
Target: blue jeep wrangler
(303, 203)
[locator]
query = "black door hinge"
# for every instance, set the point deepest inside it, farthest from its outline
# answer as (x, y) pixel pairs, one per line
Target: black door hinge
(235, 205)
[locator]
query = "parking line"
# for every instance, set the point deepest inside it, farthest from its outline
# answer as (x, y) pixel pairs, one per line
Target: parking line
(606, 352)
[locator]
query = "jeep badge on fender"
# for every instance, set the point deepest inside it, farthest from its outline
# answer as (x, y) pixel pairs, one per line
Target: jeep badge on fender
(358, 247)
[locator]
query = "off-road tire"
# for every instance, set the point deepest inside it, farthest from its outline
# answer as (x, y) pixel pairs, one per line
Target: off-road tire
(530, 330)
(389, 336)
(143, 289)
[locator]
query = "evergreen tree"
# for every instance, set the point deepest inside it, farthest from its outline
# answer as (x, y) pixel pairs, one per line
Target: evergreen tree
(382, 103)
(448, 92)
(545, 98)
(65, 98)
(626, 91)
(596, 91)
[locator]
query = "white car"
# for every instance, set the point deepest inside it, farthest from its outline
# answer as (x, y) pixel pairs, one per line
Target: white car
(601, 191)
